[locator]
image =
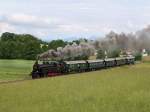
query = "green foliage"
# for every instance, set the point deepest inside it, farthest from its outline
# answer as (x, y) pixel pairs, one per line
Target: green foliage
(8, 36)
(75, 41)
(13, 46)
(100, 54)
(138, 57)
(44, 47)
(114, 53)
(78, 41)
(122, 89)
(54, 44)
(25, 46)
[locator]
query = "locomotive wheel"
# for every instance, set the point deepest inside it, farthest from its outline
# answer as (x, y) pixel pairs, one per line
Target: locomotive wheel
(35, 76)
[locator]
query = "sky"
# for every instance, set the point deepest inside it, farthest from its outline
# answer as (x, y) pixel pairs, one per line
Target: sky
(72, 19)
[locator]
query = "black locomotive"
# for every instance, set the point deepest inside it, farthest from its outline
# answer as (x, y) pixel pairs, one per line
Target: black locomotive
(56, 68)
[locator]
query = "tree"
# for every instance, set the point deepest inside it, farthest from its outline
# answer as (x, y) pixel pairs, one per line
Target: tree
(14, 46)
(7, 36)
(54, 44)
(114, 53)
(138, 57)
(44, 47)
(100, 54)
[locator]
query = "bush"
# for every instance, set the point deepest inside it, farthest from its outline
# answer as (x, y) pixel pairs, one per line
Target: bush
(138, 57)
(114, 53)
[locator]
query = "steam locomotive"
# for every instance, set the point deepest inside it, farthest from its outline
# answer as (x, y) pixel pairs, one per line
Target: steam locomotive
(57, 68)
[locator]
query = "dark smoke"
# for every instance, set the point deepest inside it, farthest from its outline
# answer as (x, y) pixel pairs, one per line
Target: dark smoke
(133, 42)
(74, 50)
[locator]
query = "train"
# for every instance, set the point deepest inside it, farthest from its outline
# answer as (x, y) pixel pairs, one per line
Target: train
(47, 68)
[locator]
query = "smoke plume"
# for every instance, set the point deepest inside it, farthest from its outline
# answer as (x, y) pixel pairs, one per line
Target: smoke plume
(134, 42)
(70, 51)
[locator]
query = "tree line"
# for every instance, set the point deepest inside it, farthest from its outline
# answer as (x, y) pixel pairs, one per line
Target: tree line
(25, 46)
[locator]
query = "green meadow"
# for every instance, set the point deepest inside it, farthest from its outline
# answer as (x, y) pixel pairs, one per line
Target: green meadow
(15, 69)
(121, 89)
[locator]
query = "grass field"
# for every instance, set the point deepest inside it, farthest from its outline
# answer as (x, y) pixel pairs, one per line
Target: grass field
(122, 89)
(15, 69)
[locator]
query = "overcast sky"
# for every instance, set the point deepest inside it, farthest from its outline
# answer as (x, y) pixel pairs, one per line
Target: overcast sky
(67, 19)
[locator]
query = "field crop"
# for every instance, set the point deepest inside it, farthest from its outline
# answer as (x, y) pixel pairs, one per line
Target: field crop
(121, 89)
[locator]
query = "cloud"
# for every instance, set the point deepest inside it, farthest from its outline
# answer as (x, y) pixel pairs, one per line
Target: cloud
(28, 21)
(5, 27)
(49, 28)
(70, 18)
(39, 26)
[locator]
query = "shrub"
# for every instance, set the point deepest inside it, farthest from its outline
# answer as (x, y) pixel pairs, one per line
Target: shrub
(114, 53)
(138, 57)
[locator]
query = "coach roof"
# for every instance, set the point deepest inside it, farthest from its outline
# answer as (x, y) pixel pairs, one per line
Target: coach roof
(110, 59)
(95, 61)
(120, 58)
(75, 62)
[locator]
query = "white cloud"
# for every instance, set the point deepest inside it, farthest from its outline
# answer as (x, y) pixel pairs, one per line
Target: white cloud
(5, 27)
(29, 20)
(39, 26)
(48, 28)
